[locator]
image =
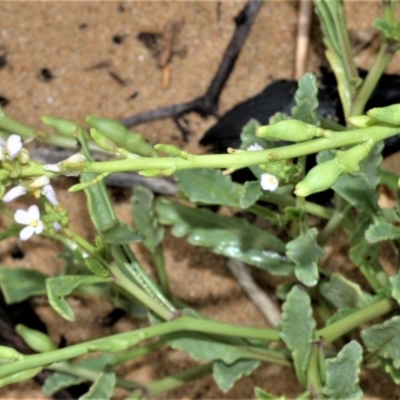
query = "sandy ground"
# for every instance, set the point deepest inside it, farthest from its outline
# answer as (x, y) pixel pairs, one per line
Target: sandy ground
(51, 50)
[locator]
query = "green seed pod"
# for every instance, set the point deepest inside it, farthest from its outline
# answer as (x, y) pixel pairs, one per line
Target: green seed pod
(319, 178)
(102, 141)
(121, 136)
(20, 376)
(388, 115)
(62, 126)
(362, 121)
(36, 340)
(291, 130)
(350, 159)
(8, 353)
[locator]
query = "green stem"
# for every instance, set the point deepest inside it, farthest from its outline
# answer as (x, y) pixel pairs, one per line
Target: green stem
(158, 257)
(333, 223)
(178, 380)
(238, 159)
(382, 60)
(313, 379)
(133, 338)
(140, 294)
(332, 332)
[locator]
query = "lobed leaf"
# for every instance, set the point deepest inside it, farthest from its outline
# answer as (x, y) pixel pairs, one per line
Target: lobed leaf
(305, 252)
(342, 373)
(341, 292)
(306, 98)
(381, 231)
(298, 329)
(103, 387)
(61, 286)
(251, 192)
(19, 284)
(384, 340)
(231, 237)
(120, 233)
(226, 375)
(208, 186)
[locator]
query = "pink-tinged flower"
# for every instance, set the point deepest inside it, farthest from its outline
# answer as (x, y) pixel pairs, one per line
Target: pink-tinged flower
(255, 147)
(269, 182)
(31, 218)
(37, 187)
(10, 148)
(13, 193)
(48, 192)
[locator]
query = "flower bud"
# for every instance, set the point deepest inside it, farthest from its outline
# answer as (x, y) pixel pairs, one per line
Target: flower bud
(62, 126)
(291, 130)
(362, 121)
(23, 156)
(171, 150)
(8, 353)
(36, 340)
(319, 178)
(121, 136)
(388, 115)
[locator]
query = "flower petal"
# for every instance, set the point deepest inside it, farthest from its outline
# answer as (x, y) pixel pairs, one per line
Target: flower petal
(26, 233)
(269, 182)
(13, 193)
(34, 213)
(38, 229)
(50, 194)
(14, 145)
(255, 147)
(22, 217)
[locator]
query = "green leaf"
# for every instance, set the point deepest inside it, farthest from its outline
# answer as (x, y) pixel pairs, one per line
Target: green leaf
(226, 375)
(208, 186)
(263, 395)
(248, 135)
(120, 233)
(305, 253)
(342, 373)
(341, 292)
(103, 386)
(145, 217)
(383, 27)
(61, 380)
(61, 286)
(307, 100)
(231, 237)
(384, 340)
(19, 284)
(381, 231)
(202, 347)
(298, 329)
(395, 282)
(391, 370)
(252, 191)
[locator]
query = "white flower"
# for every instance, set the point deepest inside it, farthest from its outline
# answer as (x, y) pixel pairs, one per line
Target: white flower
(269, 182)
(52, 168)
(255, 147)
(39, 186)
(50, 194)
(31, 218)
(10, 148)
(13, 193)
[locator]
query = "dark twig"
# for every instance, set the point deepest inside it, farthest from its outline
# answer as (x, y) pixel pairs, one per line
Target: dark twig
(208, 103)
